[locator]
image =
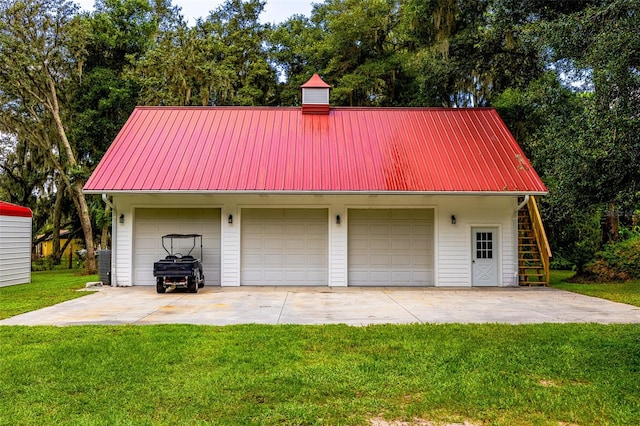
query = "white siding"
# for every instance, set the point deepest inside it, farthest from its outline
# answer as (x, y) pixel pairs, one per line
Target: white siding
(454, 240)
(338, 248)
(15, 250)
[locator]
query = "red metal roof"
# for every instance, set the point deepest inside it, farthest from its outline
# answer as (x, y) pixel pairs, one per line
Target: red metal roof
(8, 209)
(316, 82)
(375, 150)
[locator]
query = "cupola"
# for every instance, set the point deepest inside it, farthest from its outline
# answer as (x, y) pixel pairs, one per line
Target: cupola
(315, 96)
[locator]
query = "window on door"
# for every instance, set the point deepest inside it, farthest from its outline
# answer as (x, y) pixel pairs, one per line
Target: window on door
(484, 245)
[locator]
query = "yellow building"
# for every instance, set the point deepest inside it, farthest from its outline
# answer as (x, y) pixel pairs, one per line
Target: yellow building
(45, 248)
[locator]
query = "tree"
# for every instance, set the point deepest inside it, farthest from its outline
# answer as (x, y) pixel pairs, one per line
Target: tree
(465, 53)
(292, 46)
(601, 44)
(24, 171)
(353, 44)
(243, 58)
(579, 122)
(183, 68)
(362, 48)
(42, 46)
(219, 61)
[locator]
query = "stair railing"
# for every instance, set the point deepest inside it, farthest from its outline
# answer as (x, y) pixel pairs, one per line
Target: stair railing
(541, 236)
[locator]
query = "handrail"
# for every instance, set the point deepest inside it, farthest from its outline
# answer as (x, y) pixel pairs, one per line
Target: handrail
(541, 235)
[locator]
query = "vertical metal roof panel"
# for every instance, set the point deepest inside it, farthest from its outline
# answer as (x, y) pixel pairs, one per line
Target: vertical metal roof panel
(280, 149)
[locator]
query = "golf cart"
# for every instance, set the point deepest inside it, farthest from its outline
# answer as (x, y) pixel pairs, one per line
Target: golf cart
(179, 270)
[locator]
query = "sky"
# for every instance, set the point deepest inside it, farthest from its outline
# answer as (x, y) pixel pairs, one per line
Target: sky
(275, 11)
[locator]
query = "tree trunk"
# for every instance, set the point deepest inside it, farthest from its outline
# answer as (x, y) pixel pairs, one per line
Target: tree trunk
(612, 224)
(76, 188)
(57, 218)
(85, 222)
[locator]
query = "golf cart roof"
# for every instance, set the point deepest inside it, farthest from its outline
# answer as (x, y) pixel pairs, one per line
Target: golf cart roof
(181, 236)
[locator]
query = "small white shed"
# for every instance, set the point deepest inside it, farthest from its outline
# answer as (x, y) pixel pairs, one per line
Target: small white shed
(15, 244)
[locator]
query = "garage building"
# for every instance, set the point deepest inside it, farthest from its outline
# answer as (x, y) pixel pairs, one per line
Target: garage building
(320, 195)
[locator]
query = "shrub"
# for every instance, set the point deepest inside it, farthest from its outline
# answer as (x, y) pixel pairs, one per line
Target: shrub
(616, 262)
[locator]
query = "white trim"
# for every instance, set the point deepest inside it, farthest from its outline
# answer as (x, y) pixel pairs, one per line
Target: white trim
(114, 246)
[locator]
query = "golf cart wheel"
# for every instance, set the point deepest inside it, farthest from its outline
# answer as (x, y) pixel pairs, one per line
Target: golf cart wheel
(192, 285)
(160, 286)
(201, 284)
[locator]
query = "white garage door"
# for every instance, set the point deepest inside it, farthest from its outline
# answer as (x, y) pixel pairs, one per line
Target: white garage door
(284, 247)
(151, 224)
(390, 247)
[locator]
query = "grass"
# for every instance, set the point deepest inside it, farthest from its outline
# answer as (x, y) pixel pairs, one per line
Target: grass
(543, 374)
(546, 374)
(627, 292)
(46, 289)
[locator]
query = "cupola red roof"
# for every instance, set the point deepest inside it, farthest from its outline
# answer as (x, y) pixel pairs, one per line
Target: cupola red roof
(316, 82)
(365, 150)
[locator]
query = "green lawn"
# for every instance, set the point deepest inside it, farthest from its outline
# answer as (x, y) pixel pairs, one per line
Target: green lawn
(627, 292)
(546, 374)
(46, 289)
(490, 374)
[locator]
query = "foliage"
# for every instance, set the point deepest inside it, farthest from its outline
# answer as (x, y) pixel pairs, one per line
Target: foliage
(46, 289)
(42, 48)
(564, 75)
(219, 61)
(616, 262)
(601, 43)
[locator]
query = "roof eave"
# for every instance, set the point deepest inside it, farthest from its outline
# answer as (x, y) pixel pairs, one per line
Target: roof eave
(294, 192)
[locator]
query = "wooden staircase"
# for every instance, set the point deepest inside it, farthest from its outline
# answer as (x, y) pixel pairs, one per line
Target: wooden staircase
(533, 247)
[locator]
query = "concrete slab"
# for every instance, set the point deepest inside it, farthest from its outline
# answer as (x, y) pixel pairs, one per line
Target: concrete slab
(352, 306)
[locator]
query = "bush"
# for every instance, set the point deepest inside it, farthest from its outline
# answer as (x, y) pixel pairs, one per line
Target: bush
(46, 263)
(42, 264)
(616, 262)
(561, 263)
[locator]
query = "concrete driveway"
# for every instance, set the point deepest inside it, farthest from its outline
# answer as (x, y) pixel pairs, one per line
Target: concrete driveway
(353, 306)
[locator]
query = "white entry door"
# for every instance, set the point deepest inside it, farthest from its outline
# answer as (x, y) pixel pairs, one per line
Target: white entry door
(485, 257)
